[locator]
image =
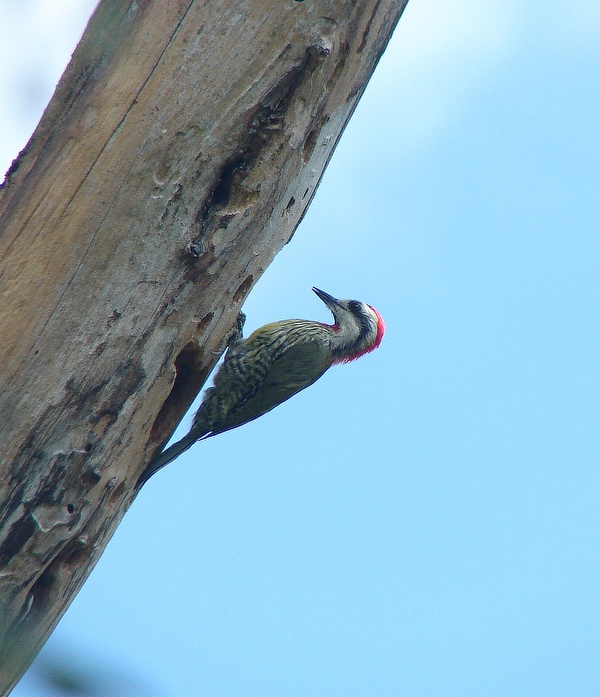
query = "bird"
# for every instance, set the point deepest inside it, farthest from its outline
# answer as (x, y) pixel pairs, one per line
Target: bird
(274, 363)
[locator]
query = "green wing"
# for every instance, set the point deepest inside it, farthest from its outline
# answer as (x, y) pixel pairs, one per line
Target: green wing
(257, 388)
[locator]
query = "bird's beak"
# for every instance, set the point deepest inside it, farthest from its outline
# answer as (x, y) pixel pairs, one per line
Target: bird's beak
(332, 303)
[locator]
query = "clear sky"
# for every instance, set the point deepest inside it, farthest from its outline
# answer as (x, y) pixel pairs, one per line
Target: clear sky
(424, 522)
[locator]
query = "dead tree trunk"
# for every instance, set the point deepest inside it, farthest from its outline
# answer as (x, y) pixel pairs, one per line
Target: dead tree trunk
(176, 158)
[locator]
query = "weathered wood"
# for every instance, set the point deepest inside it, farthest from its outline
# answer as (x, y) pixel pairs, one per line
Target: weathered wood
(177, 156)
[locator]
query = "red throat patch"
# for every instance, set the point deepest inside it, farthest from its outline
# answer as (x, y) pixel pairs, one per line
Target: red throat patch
(376, 341)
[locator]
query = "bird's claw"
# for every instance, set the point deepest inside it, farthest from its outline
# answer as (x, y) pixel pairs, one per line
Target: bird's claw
(236, 336)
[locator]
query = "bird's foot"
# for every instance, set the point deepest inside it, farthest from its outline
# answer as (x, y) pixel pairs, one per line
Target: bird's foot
(236, 337)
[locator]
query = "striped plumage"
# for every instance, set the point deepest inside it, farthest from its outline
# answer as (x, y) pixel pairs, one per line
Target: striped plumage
(273, 364)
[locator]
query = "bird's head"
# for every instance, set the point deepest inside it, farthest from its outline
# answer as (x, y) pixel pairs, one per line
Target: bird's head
(358, 327)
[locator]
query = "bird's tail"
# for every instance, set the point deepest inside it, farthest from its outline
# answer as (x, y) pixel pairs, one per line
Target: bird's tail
(165, 457)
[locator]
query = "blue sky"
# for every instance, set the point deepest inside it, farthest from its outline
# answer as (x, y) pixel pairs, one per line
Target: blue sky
(425, 521)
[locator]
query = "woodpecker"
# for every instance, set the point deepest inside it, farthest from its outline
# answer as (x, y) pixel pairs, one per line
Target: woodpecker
(273, 364)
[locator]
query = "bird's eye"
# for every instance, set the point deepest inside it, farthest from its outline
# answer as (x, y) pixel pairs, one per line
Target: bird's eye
(355, 306)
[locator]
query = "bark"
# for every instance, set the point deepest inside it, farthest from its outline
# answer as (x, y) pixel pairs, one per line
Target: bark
(176, 158)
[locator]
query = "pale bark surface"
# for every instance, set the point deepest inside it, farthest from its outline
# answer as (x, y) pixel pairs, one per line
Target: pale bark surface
(175, 159)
